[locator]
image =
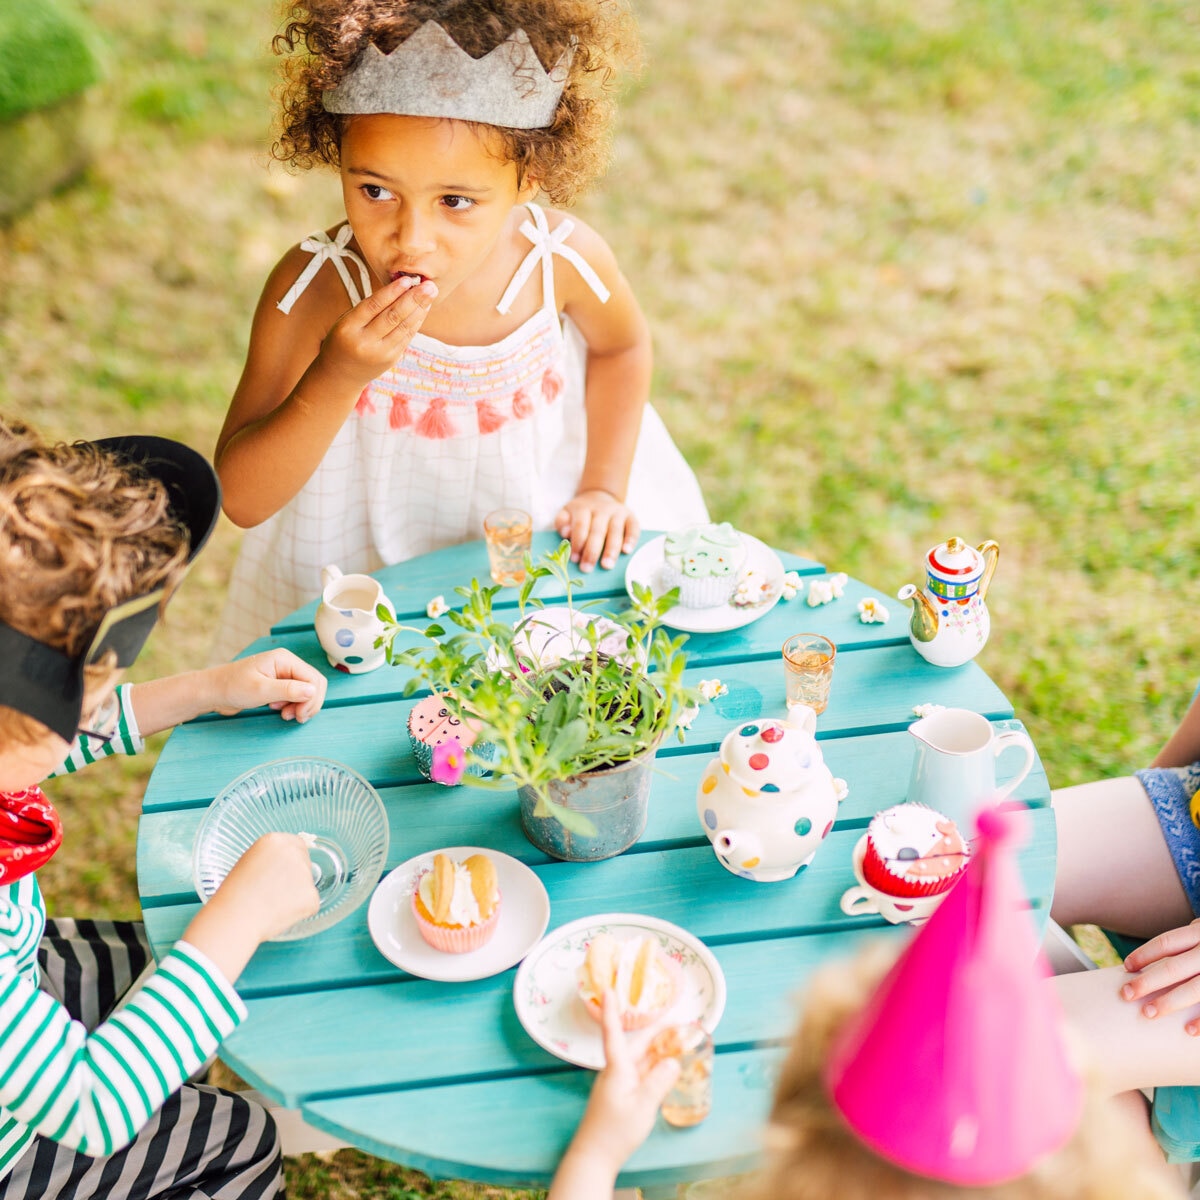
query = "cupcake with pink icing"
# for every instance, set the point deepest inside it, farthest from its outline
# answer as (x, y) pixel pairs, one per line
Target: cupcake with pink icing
(431, 724)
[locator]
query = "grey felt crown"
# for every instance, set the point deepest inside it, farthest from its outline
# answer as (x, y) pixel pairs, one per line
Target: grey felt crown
(431, 75)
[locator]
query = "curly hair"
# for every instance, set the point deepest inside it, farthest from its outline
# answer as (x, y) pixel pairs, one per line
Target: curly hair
(813, 1154)
(563, 158)
(79, 533)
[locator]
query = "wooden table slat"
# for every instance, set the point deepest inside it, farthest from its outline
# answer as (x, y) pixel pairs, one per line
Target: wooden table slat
(424, 816)
(873, 691)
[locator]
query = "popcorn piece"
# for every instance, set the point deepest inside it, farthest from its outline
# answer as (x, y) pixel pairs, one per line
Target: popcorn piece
(436, 607)
(752, 589)
(793, 585)
(710, 689)
(822, 591)
(872, 612)
(927, 710)
(686, 716)
(841, 788)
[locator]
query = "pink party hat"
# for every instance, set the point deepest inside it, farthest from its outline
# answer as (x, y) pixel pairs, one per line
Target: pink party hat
(956, 1068)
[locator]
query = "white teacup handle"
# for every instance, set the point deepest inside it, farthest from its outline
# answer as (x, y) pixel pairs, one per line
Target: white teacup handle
(858, 902)
(803, 715)
(1005, 741)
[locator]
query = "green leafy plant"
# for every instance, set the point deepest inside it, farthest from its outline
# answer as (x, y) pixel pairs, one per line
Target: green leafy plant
(585, 713)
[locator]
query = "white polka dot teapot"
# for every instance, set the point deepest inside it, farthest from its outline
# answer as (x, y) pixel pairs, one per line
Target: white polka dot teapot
(769, 800)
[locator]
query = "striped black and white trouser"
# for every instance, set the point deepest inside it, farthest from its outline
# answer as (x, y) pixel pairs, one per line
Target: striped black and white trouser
(203, 1144)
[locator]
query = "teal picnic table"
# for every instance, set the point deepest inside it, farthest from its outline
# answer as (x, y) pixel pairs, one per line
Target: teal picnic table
(441, 1076)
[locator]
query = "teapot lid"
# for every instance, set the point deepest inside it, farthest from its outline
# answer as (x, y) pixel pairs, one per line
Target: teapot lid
(769, 755)
(954, 559)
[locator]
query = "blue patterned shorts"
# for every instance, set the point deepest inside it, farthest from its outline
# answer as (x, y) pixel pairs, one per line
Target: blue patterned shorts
(1171, 790)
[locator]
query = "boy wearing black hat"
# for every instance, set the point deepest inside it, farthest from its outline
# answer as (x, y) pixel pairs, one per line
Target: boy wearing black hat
(93, 538)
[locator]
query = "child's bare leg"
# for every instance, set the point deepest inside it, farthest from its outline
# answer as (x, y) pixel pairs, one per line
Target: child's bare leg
(1114, 868)
(1127, 1049)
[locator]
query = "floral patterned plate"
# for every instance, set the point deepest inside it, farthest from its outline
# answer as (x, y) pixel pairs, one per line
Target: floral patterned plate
(524, 915)
(547, 998)
(646, 566)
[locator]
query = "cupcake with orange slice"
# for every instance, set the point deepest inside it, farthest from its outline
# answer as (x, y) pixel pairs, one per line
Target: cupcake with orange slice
(644, 980)
(457, 904)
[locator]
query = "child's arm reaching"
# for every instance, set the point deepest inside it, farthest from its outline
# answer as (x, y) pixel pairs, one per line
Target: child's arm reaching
(618, 1118)
(94, 1091)
(303, 375)
(597, 520)
(276, 677)
(1183, 746)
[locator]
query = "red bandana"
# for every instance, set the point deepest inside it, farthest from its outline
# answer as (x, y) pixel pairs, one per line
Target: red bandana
(30, 833)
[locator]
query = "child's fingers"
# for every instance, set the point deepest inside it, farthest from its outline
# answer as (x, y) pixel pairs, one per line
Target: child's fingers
(1186, 995)
(660, 1079)
(562, 523)
(616, 1053)
(1174, 941)
(1165, 973)
(633, 531)
(614, 541)
(581, 526)
(398, 321)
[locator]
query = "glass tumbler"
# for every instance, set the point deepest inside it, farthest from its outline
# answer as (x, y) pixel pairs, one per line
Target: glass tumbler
(808, 664)
(690, 1100)
(509, 533)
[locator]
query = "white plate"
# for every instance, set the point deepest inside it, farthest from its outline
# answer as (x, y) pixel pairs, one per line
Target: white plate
(524, 915)
(646, 567)
(546, 994)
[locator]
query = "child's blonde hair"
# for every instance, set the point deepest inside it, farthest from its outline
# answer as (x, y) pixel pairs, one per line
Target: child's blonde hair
(814, 1155)
(562, 159)
(79, 533)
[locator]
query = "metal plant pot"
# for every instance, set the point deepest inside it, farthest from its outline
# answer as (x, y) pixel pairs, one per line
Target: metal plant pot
(614, 799)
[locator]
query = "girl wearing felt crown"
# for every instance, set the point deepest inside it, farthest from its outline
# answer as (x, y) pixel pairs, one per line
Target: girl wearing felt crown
(452, 348)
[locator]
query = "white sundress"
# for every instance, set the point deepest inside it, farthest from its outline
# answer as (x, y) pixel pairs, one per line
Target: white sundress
(440, 440)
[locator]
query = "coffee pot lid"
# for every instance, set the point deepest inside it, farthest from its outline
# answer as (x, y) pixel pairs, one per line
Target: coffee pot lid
(954, 559)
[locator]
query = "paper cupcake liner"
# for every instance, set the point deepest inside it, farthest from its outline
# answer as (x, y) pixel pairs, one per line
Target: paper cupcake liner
(876, 873)
(457, 939)
(700, 593)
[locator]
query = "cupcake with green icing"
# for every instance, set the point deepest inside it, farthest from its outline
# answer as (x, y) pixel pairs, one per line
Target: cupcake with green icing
(703, 562)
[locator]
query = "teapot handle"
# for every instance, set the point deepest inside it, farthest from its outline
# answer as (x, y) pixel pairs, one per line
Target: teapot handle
(1005, 741)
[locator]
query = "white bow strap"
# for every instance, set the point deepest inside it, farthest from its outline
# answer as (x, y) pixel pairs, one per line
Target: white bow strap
(545, 245)
(324, 249)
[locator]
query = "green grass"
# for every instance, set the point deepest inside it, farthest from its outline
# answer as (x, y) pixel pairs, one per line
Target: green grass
(913, 270)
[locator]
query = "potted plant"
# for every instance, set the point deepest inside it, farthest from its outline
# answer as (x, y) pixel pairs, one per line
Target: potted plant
(577, 736)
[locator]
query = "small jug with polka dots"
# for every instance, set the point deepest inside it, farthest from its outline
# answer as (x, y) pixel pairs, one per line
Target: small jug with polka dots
(346, 622)
(768, 801)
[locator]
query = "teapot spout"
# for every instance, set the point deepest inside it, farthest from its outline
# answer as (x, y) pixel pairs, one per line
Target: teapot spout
(991, 555)
(924, 623)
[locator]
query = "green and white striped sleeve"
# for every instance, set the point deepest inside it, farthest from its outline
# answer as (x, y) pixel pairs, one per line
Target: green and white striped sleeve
(126, 739)
(93, 1092)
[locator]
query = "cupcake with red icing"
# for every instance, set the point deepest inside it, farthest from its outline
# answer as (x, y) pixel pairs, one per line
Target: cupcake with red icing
(911, 850)
(431, 724)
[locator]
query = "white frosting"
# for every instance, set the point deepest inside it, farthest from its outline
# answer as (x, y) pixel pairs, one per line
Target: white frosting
(464, 909)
